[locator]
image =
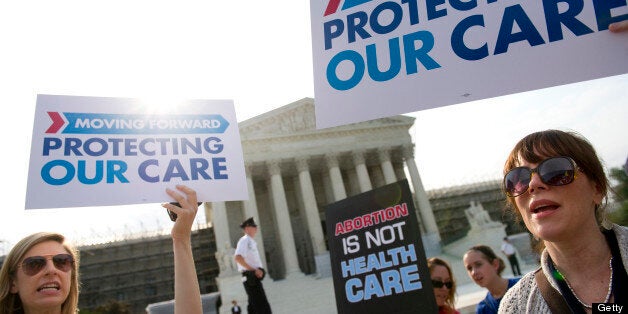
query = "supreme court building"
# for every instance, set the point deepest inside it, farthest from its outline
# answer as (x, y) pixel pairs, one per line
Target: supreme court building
(293, 170)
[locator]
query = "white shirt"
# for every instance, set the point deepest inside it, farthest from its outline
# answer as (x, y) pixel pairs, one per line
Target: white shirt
(247, 248)
(508, 249)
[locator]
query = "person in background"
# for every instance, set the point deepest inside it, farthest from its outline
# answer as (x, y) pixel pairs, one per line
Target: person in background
(485, 268)
(509, 250)
(41, 272)
(556, 184)
(444, 285)
(235, 308)
(250, 265)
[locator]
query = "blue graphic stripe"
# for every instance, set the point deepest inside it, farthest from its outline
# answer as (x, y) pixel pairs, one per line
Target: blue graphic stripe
(103, 123)
(352, 3)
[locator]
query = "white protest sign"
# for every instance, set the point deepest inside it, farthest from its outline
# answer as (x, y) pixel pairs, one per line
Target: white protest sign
(375, 58)
(97, 151)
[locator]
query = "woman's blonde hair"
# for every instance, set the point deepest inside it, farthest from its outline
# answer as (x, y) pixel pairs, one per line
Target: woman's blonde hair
(11, 303)
(435, 261)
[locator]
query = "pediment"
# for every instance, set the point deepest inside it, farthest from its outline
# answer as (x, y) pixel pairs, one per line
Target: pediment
(296, 117)
(299, 118)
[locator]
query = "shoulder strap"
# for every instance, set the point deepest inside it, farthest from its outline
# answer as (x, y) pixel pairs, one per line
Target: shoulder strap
(553, 299)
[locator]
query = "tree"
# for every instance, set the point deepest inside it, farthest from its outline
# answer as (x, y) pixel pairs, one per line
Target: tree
(620, 214)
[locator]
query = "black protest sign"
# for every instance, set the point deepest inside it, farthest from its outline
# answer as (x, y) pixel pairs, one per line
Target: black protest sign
(378, 260)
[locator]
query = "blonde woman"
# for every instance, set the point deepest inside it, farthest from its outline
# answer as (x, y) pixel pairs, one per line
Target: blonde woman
(40, 274)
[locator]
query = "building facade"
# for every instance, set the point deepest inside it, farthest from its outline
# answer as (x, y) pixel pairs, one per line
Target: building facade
(294, 170)
(140, 271)
(449, 204)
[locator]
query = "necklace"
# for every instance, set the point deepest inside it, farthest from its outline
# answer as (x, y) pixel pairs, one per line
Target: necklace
(610, 286)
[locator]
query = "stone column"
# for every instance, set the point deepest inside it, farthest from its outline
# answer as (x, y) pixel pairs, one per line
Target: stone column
(431, 239)
(321, 255)
(250, 210)
(229, 280)
(220, 223)
(336, 177)
(311, 208)
(363, 173)
(387, 167)
(282, 214)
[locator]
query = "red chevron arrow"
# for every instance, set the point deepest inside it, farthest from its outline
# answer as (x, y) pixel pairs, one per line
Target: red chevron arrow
(57, 122)
(332, 7)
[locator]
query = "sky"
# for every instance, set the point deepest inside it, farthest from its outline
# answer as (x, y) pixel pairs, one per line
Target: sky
(259, 55)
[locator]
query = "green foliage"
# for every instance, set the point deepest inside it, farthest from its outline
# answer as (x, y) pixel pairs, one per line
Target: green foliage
(621, 189)
(620, 197)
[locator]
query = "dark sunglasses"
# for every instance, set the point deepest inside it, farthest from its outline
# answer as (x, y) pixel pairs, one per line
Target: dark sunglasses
(34, 264)
(440, 284)
(555, 171)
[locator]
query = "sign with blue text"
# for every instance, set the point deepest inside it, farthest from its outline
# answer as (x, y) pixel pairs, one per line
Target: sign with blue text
(377, 257)
(99, 151)
(378, 58)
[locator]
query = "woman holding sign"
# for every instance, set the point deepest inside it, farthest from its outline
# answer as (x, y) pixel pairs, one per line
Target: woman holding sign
(556, 183)
(40, 274)
(444, 285)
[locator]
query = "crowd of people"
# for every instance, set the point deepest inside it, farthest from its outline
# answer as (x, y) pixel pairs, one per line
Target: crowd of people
(554, 182)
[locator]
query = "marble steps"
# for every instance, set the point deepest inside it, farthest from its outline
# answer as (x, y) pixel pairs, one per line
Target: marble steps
(301, 294)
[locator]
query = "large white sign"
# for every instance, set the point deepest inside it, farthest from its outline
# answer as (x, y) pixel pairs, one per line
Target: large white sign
(375, 58)
(96, 151)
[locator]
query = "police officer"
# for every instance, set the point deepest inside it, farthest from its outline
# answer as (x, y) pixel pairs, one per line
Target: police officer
(250, 265)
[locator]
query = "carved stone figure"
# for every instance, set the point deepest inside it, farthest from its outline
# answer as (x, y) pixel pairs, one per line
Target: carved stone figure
(230, 263)
(478, 217)
(225, 259)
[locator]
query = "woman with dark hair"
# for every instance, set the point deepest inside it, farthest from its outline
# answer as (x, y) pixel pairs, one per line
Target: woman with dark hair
(556, 184)
(485, 268)
(444, 285)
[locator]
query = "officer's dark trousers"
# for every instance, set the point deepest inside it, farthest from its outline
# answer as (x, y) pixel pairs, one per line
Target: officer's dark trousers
(514, 264)
(258, 304)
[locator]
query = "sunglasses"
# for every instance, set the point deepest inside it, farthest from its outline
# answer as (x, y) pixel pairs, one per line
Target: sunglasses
(555, 171)
(34, 264)
(440, 284)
